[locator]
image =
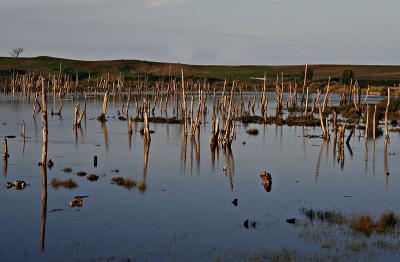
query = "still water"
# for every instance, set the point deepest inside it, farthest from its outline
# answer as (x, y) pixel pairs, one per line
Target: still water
(185, 212)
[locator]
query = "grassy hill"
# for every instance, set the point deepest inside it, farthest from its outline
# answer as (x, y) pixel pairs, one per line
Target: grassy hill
(131, 69)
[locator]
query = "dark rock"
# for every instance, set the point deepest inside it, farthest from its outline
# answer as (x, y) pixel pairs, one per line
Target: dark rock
(9, 185)
(19, 184)
(235, 202)
(50, 163)
(291, 220)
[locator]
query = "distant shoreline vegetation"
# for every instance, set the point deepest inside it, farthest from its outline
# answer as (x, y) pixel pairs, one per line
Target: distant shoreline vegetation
(132, 70)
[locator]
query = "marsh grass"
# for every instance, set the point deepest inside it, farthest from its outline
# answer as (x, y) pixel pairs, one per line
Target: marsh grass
(363, 223)
(70, 184)
(331, 217)
(387, 221)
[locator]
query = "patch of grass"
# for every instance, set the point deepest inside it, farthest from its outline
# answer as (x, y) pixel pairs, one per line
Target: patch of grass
(124, 182)
(70, 184)
(362, 223)
(307, 120)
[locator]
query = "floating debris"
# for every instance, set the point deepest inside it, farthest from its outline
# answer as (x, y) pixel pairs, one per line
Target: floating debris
(76, 202)
(115, 171)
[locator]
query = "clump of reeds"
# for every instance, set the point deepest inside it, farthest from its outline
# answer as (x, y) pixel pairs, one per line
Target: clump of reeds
(92, 177)
(363, 223)
(56, 183)
(387, 221)
(124, 182)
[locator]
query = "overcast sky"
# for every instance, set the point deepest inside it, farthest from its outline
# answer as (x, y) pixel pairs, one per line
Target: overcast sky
(206, 31)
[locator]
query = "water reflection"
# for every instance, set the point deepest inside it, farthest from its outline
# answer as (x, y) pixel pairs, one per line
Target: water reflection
(229, 166)
(44, 208)
(105, 135)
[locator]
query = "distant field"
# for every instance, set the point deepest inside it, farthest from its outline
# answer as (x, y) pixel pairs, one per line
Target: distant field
(131, 69)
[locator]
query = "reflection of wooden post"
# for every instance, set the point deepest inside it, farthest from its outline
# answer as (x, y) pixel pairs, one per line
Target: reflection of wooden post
(5, 149)
(374, 123)
(44, 208)
(44, 120)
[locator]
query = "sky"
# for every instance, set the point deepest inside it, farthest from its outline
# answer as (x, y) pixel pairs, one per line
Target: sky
(234, 32)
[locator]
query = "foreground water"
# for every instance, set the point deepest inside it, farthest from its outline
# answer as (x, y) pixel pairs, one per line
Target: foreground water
(185, 212)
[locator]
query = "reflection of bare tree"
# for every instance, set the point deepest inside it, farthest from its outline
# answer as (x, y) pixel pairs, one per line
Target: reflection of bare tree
(192, 141)
(5, 165)
(183, 153)
(386, 165)
(44, 208)
(366, 157)
(146, 149)
(129, 141)
(230, 165)
(373, 159)
(319, 161)
(105, 135)
(334, 147)
(198, 152)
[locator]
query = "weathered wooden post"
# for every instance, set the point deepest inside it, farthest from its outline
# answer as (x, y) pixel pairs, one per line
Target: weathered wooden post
(44, 120)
